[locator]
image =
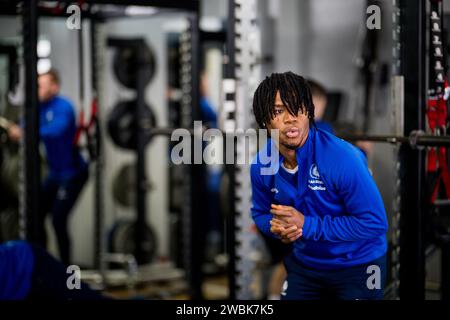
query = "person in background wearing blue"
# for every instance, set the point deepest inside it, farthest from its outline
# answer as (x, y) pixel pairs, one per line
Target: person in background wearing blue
(213, 179)
(27, 272)
(68, 171)
(320, 100)
(207, 112)
(321, 198)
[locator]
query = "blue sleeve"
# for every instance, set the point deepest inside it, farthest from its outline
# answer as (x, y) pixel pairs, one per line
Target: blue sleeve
(366, 216)
(260, 202)
(208, 114)
(63, 119)
(16, 268)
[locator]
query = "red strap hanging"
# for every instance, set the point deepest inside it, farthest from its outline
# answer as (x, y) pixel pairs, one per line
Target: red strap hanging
(436, 110)
(82, 127)
(443, 177)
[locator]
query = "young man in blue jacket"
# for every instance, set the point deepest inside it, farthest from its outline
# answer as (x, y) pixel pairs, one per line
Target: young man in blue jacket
(68, 171)
(321, 198)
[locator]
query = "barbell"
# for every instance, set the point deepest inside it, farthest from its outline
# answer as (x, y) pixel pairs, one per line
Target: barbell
(416, 138)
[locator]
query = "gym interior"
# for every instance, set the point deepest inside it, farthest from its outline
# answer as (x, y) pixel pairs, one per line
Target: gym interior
(137, 77)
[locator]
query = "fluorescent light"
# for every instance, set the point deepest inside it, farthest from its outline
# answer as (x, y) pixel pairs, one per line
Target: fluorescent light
(44, 48)
(211, 24)
(44, 65)
(138, 10)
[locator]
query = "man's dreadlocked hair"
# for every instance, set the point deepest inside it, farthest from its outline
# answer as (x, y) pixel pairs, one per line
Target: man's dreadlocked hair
(294, 92)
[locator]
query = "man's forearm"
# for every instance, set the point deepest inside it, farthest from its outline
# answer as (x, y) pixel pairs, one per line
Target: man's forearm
(344, 228)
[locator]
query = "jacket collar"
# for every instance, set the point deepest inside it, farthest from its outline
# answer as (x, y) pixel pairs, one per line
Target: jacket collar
(301, 152)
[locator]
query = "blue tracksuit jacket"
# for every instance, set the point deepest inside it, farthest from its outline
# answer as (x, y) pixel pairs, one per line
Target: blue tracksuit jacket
(345, 219)
(16, 268)
(57, 130)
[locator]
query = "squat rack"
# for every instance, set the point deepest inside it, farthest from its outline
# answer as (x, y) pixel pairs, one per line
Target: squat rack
(29, 197)
(411, 203)
(410, 97)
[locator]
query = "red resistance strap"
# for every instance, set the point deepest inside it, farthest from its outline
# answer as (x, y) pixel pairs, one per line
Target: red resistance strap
(85, 128)
(443, 176)
(437, 157)
(437, 102)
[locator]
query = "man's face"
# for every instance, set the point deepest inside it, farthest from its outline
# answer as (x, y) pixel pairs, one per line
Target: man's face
(47, 88)
(293, 129)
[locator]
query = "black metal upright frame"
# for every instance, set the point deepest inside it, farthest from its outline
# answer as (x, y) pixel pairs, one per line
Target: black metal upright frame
(412, 161)
(230, 68)
(98, 189)
(31, 161)
(9, 7)
(30, 14)
(198, 187)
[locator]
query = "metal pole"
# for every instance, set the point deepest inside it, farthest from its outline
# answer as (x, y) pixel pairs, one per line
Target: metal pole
(141, 177)
(230, 222)
(99, 249)
(31, 162)
(198, 187)
(412, 162)
(416, 138)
